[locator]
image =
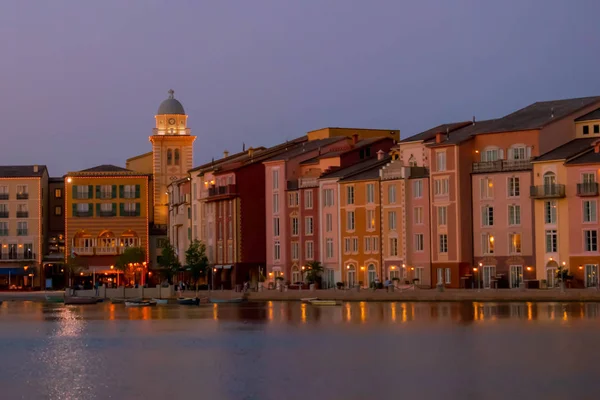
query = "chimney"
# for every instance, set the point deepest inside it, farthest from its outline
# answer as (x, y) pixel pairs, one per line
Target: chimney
(438, 137)
(250, 151)
(243, 146)
(380, 154)
(473, 120)
(355, 138)
(447, 133)
(225, 154)
(35, 168)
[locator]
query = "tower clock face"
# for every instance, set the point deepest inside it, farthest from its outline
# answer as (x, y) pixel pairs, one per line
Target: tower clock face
(171, 121)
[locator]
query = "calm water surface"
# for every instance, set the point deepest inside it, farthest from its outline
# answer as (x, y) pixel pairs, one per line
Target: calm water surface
(293, 351)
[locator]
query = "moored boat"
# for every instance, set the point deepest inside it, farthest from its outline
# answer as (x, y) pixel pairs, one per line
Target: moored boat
(188, 301)
(120, 300)
(55, 299)
(319, 302)
(141, 303)
(80, 300)
(308, 299)
(236, 300)
(160, 301)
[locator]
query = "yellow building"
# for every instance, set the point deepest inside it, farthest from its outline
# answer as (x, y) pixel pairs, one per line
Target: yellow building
(360, 225)
(106, 211)
(23, 190)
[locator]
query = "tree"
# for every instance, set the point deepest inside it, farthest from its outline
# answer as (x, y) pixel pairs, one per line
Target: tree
(73, 266)
(314, 269)
(169, 262)
(131, 258)
(196, 260)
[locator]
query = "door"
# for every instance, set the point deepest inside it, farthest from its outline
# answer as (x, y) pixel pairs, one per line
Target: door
(394, 273)
(591, 275)
(551, 277)
(419, 275)
(372, 275)
(351, 277)
(440, 276)
(489, 272)
(330, 278)
(516, 276)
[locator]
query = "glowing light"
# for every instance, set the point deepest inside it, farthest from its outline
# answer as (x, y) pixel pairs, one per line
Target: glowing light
(412, 268)
(392, 267)
(474, 269)
(81, 273)
(112, 267)
(491, 238)
(529, 268)
(25, 268)
(550, 259)
(403, 265)
(214, 270)
(476, 151)
(362, 268)
(564, 263)
(581, 267)
(481, 264)
(347, 266)
(69, 180)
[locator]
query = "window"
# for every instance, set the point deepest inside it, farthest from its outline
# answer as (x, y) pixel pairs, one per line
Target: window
(328, 197)
(370, 220)
(355, 245)
(448, 276)
(514, 214)
(487, 217)
(550, 212)
(596, 128)
(370, 193)
(441, 186)
(83, 207)
(486, 188)
(589, 211)
(3, 192)
(129, 192)
(418, 189)
(22, 228)
(444, 243)
(58, 211)
(489, 155)
(295, 228)
(277, 251)
(418, 215)
(276, 226)
(392, 220)
(229, 252)
(442, 214)
(58, 193)
(230, 228)
(3, 228)
(440, 158)
(586, 129)
(169, 157)
(551, 241)
(308, 225)
(293, 199)
(104, 191)
(393, 247)
(350, 195)
(392, 194)
(328, 222)
(350, 220)
(176, 162)
(588, 177)
(295, 251)
(514, 243)
(367, 244)
(519, 153)
(347, 246)
(419, 237)
(487, 243)
(82, 192)
(275, 175)
(375, 245)
(309, 250)
(329, 248)
(308, 199)
(108, 208)
(513, 187)
(275, 202)
(590, 240)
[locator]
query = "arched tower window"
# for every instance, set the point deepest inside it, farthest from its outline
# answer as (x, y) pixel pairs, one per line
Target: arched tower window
(169, 157)
(176, 157)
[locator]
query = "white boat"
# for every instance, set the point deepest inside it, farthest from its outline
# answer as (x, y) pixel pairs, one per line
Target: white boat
(139, 303)
(308, 299)
(317, 302)
(160, 301)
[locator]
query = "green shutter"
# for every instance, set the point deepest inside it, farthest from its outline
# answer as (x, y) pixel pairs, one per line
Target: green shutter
(97, 191)
(91, 210)
(113, 192)
(121, 208)
(97, 208)
(121, 191)
(114, 209)
(74, 191)
(137, 191)
(90, 191)
(138, 209)
(74, 207)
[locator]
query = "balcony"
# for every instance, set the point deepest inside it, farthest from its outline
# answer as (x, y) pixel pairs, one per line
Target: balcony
(83, 251)
(308, 182)
(417, 172)
(552, 191)
(501, 166)
(22, 214)
(22, 196)
(227, 190)
(3, 214)
(3, 196)
(587, 189)
(103, 251)
(18, 256)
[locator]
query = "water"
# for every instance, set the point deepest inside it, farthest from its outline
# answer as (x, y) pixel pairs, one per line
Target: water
(292, 351)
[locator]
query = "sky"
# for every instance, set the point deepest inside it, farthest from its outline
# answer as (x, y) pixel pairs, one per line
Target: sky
(80, 81)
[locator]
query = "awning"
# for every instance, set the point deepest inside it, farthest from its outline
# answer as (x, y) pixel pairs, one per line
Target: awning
(12, 271)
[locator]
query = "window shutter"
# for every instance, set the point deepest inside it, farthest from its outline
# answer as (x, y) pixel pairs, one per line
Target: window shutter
(74, 207)
(481, 189)
(121, 191)
(138, 209)
(593, 210)
(501, 154)
(113, 192)
(137, 191)
(121, 208)
(91, 210)
(528, 152)
(74, 191)
(90, 191)
(97, 208)
(509, 154)
(114, 207)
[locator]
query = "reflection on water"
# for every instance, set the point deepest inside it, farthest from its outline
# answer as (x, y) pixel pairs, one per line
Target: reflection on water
(262, 350)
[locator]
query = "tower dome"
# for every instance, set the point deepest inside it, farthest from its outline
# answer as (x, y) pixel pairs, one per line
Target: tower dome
(170, 105)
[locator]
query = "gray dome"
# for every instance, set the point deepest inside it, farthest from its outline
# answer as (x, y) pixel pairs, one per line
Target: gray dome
(170, 105)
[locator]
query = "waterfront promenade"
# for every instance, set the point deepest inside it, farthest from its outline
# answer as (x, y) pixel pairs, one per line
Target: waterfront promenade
(431, 295)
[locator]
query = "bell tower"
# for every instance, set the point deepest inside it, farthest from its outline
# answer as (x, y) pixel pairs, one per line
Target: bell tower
(172, 152)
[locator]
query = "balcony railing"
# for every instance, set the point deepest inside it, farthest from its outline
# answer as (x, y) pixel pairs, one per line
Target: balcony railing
(18, 256)
(22, 214)
(417, 172)
(106, 250)
(3, 196)
(3, 214)
(501, 165)
(308, 182)
(86, 251)
(551, 191)
(22, 196)
(226, 190)
(587, 189)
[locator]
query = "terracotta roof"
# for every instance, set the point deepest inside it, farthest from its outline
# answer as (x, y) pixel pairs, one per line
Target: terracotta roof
(311, 145)
(567, 150)
(430, 133)
(106, 168)
(586, 157)
(462, 134)
(352, 169)
(21, 171)
(591, 116)
(368, 173)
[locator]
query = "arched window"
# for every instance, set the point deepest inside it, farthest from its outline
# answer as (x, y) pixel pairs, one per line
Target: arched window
(519, 152)
(491, 154)
(372, 274)
(296, 277)
(176, 157)
(169, 157)
(549, 179)
(412, 161)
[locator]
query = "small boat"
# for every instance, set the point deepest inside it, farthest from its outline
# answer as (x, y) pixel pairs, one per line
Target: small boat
(119, 300)
(80, 300)
(139, 304)
(160, 301)
(318, 302)
(308, 299)
(188, 301)
(55, 299)
(237, 300)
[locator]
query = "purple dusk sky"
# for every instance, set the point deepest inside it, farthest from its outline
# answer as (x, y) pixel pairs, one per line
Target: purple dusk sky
(81, 80)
